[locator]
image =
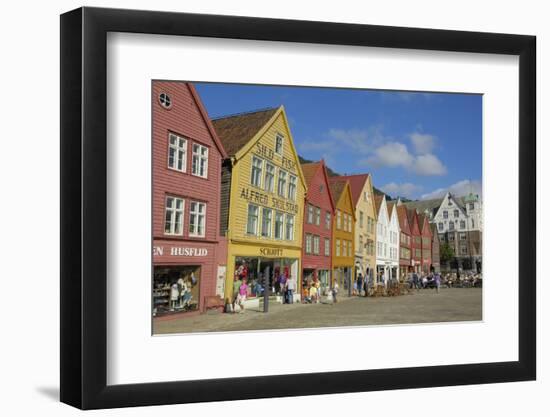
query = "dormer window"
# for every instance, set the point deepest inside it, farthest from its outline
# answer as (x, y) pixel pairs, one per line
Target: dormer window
(165, 100)
(279, 144)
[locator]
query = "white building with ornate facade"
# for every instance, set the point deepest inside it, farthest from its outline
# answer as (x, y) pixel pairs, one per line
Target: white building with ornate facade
(387, 241)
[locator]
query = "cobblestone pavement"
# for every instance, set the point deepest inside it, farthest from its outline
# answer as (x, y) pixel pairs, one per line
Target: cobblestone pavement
(424, 306)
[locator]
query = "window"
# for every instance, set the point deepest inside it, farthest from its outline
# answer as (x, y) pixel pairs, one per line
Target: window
(278, 225)
(366, 196)
(337, 247)
(317, 216)
(360, 241)
(197, 218)
(316, 244)
(327, 220)
(308, 243)
(252, 223)
(451, 225)
(289, 231)
(346, 222)
(267, 218)
(338, 219)
(177, 152)
(269, 179)
(472, 223)
(463, 224)
(464, 250)
(361, 219)
(455, 213)
(282, 183)
(451, 237)
(165, 100)
(327, 247)
(462, 236)
(472, 206)
(417, 253)
(256, 174)
(440, 226)
(445, 214)
(279, 144)
(173, 224)
(309, 213)
(292, 187)
(200, 161)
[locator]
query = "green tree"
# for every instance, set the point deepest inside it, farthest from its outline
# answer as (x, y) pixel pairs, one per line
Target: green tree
(446, 253)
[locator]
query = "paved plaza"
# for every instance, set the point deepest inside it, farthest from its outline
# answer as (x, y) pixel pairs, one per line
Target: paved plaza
(424, 306)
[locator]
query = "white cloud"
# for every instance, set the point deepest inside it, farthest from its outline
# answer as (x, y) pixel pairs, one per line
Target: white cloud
(391, 154)
(459, 188)
(360, 140)
(407, 189)
(428, 164)
(423, 143)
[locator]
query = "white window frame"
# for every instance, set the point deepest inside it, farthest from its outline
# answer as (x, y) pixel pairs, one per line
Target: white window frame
(269, 186)
(310, 213)
(328, 218)
(338, 219)
(277, 137)
(282, 229)
(317, 216)
(327, 246)
(282, 188)
(309, 243)
(198, 214)
(292, 187)
(337, 247)
(289, 221)
(200, 158)
(252, 170)
(175, 210)
(177, 149)
(316, 244)
(255, 232)
(270, 229)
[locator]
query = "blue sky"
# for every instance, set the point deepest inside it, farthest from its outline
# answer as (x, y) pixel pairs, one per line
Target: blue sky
(416, 145)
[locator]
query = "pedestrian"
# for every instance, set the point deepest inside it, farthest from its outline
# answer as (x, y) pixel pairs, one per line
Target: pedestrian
(317, 285)
(241, 297)
(236, 287)
(359, 283)
(291, 287)
(313, 294)
(437, 280)
(335, 292)
(424, 281)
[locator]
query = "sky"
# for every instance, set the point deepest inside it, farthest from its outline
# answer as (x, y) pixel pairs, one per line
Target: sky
(415, 145)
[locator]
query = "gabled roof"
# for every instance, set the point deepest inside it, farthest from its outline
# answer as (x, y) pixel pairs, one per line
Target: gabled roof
(237, 130)
(378, 202)
(309, 170)
(423, 222)
(390, 205)
(356, 182)
(403, 219)
(337, 188)
(412, 216)
(207, 121)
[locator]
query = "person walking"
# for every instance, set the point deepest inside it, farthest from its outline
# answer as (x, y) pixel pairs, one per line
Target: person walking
(241, 297)
(437, 281)
(236, 287)
(290, 288)
(359, 283)
(335, 290)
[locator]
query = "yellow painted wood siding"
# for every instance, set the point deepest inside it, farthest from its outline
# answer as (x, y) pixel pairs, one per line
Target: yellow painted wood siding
(344, 205)
(368, 210)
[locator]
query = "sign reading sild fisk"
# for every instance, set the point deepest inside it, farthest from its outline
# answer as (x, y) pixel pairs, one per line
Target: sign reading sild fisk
(261, 198)
(180, 251)
(268, 153)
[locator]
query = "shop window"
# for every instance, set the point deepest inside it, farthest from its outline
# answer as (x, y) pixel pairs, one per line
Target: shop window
(269, 179)
(252, 221)
(267, 215)
(292, 188)
(289, 230)
(281, 185)
(279, 144)
(197, 219)
(256, 173)
(278, 225)
(177, 152)
(176, 288)
(173, 224)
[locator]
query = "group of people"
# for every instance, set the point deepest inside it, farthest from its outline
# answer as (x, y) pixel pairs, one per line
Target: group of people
(425, 280)
(180, 293)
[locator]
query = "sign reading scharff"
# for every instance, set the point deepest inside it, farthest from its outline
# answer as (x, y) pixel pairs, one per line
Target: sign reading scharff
(262, 194)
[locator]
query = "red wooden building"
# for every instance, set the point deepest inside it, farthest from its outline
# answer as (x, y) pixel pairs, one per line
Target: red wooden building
(426, 234)
(405, 241)
(318, 217)
(187, 158)
(416, 240)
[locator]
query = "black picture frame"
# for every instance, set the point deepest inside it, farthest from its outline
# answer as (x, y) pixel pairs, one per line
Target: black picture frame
(84, 207)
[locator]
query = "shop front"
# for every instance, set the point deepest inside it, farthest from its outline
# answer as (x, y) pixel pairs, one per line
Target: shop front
(258, 265)
(184, 274)
(343, 275)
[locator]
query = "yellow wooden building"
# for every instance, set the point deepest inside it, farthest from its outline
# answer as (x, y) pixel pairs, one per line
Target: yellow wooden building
(343, 236)
(365, 224)
(263, 191)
